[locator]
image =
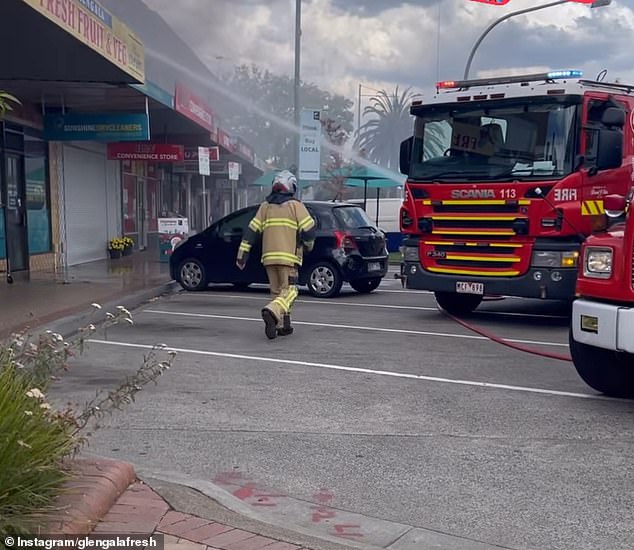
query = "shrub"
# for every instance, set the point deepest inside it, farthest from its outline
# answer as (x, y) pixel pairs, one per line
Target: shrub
(35, 438)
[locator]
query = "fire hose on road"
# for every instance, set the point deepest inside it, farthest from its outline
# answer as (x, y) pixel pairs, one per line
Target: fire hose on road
(503, 342)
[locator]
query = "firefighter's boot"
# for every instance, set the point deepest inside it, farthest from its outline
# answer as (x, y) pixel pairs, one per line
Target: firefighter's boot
(270, 323)
(286, 329)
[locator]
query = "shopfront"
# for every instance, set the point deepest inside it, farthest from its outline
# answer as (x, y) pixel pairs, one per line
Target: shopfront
(148, 189)
(25, 205)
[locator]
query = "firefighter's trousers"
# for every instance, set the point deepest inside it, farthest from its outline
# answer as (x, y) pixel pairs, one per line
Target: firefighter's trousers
(283, 290)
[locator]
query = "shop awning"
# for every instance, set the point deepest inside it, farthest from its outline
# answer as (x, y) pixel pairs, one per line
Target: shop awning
(52, 41)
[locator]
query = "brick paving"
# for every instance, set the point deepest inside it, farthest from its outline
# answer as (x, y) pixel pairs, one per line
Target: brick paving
(139, 510)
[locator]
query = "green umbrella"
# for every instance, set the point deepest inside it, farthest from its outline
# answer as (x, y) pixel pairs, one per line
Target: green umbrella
(369, 176)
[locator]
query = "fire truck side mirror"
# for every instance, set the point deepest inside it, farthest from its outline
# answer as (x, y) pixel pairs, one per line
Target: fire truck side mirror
(609, 153)
(406, 155)
(613, 117)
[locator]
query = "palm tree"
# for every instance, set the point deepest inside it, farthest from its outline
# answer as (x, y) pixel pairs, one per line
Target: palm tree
(381, 136)
(5, 102)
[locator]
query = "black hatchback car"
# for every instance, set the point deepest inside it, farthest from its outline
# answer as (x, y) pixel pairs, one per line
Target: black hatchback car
(348, 248)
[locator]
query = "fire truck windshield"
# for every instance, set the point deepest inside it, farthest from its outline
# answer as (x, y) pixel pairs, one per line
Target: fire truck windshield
(496, 141)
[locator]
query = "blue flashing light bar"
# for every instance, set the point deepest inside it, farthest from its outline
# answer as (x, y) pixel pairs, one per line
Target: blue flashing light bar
(565, 74)
(552, 75)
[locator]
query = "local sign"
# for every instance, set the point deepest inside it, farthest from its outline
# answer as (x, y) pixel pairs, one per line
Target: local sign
(310, 145)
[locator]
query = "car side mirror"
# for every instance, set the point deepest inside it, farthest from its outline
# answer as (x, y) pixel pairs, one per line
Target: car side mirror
(406, 155)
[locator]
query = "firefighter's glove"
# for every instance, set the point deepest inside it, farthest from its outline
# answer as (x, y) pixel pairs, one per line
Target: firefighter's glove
(242, 262)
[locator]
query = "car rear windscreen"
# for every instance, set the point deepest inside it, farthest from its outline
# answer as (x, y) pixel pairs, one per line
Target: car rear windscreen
(352, 217)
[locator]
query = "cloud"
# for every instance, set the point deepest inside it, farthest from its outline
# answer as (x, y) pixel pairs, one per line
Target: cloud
(381, 43)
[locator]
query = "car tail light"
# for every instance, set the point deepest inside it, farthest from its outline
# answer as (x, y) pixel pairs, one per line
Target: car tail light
(345, 241)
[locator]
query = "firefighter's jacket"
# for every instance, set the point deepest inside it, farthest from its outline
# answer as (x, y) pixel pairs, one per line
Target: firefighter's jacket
(286, 229)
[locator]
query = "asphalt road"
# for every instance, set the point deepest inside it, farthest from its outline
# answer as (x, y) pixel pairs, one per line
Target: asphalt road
(381, 407)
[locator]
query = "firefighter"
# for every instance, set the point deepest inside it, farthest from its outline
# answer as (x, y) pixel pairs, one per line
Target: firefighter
(287, 229)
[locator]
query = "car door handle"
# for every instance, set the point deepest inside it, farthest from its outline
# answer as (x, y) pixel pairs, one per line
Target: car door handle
(198, 245)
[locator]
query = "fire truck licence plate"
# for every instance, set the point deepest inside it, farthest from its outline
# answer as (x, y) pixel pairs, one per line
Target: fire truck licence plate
(469, 288)
(374, 266)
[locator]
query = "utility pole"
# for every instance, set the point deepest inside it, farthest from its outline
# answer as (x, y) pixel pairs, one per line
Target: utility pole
(298, 35)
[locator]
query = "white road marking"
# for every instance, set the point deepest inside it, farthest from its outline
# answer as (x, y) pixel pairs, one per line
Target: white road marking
(337, 302)
(352, 327)
(356, 370)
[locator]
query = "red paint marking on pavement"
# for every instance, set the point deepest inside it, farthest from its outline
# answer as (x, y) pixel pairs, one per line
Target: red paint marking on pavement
(252, 491)
(322, 513)
(324, 495)
(341, 531)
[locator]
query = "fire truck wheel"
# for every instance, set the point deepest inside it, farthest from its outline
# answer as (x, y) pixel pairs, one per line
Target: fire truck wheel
(606, 371)
(457, 304)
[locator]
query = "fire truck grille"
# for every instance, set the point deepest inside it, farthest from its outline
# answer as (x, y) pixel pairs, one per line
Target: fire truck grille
(475, 258)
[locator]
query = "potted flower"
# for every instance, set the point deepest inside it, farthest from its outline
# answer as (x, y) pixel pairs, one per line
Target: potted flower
(116, 247)
(128, 245)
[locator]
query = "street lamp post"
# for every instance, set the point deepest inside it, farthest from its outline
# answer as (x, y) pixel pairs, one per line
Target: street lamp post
(596, 4)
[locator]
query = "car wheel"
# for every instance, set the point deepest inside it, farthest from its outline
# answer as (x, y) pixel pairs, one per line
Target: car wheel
(191, 274)
(365, 286)
(457, 304)
(324, 280)
(604, 370)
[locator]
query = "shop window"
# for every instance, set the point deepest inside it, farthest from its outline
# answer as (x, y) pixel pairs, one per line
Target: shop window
(129, 204)
(37, 195)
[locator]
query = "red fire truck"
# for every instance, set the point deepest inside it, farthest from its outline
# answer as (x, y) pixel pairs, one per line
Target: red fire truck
(505, 179)
(602, 327)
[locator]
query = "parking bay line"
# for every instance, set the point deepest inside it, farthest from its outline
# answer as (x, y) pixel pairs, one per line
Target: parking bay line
(353, 327)
(358, 370)
(337, 302)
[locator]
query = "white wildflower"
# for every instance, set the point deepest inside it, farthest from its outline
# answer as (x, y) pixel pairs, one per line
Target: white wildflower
(59, 338)
(46, 406)
(23, 444)
(35, 393)
(123, 310)
(49, 332)
(96, 306)
(129, 320)
(28, 413)
(109, 315)
(91, 327)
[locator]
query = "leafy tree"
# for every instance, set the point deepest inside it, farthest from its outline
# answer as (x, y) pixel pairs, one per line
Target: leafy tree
(381, 136)
(269, 127)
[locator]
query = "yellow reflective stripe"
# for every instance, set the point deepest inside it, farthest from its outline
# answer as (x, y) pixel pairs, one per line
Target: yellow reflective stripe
(306, 223)
(280, 256)
(255, 225)
(478, 218)
(506, 245)
(245, 246)
(592, 208)
(448, 243)
(509, 259)
(471, 272)
(462, 232)
(523, 202)
(280, 222)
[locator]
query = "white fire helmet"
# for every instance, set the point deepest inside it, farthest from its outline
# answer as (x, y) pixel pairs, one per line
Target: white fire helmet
(285, 182)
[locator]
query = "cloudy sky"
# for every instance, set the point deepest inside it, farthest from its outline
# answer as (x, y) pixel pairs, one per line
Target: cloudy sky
(381, 43)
